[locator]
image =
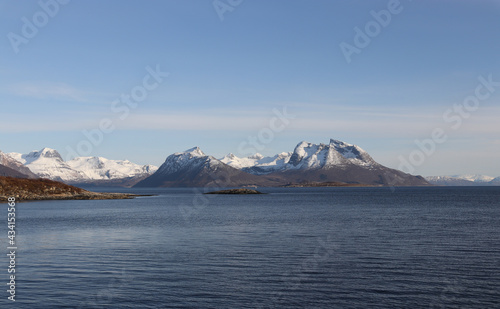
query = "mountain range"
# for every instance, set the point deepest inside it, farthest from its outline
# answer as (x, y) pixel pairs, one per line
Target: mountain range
(48, 163)
(193, 168)
(336, 161)
(464, 180)
(308, 163)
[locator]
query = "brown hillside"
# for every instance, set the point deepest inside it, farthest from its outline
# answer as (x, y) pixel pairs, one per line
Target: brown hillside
(45, 189)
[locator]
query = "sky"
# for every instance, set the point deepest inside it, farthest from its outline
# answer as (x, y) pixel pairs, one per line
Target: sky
(414, 83)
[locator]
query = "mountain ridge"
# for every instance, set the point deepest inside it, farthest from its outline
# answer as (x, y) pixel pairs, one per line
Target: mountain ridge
(48, 163)
(336, 162)
(464, 180)
(333, 162)
(193, 168)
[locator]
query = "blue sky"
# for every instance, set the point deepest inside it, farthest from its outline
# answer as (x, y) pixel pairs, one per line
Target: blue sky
(231, 70)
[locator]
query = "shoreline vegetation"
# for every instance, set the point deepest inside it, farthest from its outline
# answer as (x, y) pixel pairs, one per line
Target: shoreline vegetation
(24, 189)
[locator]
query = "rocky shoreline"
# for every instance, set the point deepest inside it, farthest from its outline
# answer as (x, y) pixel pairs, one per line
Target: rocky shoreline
(84, 196)
(44, 189)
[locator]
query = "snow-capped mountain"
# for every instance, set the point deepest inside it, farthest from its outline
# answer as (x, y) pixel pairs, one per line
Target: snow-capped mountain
(99, 168)
(464, 180)
(305, 156)
(336, 153)
(190, 159)
(193, 168)
(333, 162)
(48, 163)
(257, 164)
(475, 178)
(14, 164)
(338, 161)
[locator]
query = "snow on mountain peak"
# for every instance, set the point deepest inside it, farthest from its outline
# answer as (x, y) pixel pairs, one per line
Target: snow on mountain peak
(191, 158)
(256, 156)
(353, 152)
(302, 148)
(99, 168)
(474, 178)
(4, 156)
(40, 154)
(48, 163)
(305, 156)
(47, 153)
(339, 143)
(47, 150)
(194, 152)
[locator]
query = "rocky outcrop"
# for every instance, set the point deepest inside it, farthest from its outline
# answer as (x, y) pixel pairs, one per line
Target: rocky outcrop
(45, 189)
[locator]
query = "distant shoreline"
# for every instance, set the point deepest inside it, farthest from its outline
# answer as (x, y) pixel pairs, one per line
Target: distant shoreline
(327, 184)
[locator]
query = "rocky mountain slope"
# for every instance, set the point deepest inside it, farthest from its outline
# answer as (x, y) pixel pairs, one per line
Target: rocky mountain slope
(193, 168)
(10, 162)
(7, 171)
(336, 162)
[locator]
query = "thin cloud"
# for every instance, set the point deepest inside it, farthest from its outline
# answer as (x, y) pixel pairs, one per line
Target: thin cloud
(369, 124)
(55, 91)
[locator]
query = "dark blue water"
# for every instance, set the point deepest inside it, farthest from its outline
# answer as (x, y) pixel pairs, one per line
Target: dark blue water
(292, 248)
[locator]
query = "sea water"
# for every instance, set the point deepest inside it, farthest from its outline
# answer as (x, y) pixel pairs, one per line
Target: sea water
(433, 247)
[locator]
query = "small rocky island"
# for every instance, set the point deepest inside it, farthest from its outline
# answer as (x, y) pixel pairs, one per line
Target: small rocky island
(325, 184)
(24, 189)
(236, 191)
